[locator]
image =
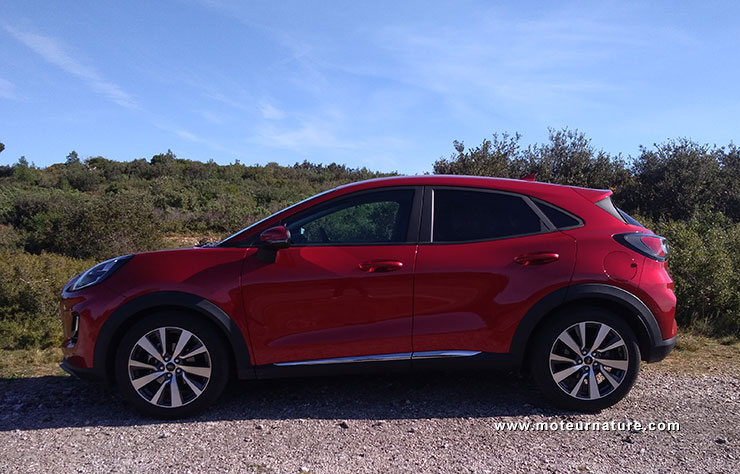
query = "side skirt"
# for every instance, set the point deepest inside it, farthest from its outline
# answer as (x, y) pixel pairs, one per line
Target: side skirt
(389, 363)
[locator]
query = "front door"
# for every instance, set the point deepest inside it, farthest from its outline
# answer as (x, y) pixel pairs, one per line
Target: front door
(343, 289)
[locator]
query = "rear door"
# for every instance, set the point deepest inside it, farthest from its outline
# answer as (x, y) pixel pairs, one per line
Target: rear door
(484, 259)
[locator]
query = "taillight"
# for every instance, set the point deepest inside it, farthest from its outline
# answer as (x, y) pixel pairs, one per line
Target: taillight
(649, 245)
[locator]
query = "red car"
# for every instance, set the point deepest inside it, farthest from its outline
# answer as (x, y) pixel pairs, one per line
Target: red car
(408, 272)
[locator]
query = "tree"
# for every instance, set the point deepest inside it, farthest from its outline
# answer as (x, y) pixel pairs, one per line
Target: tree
(25, 173)
(569, 158)
(675, 179)
(497, 157)
(2, 147)
(730, 169)
(72, 158)
(163, 158)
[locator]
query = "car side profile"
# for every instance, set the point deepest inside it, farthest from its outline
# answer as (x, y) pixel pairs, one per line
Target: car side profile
(403, 273)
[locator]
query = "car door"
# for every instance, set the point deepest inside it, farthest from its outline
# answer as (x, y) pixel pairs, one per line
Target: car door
(484, 259)
(344, 287)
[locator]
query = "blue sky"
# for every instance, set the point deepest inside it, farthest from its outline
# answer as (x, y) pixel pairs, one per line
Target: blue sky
(386, 85)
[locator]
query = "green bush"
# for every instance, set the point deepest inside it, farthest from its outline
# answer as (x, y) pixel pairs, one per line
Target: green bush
(99, 208)
(704, 261)
(29, 297)
(81, 226)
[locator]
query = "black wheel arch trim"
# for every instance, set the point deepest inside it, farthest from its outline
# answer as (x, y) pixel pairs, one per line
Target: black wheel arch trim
(102, 355)
(585, 291)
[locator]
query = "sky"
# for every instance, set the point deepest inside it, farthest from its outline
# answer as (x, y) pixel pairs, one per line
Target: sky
(382, 85)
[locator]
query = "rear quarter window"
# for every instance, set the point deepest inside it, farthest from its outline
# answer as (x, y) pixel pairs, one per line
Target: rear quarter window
(560, 218)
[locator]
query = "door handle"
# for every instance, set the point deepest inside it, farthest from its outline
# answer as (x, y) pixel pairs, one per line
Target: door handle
(381, 266)
(538, 258)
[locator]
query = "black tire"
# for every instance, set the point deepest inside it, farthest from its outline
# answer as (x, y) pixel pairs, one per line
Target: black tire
(179, 390)
(551, 349)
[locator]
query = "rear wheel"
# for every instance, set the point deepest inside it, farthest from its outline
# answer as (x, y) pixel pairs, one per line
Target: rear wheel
(585, 359)
(171, 365)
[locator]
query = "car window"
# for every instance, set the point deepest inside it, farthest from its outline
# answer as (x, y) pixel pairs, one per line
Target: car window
(461, 215)
(370, 218)
(630, 220)
(559, 218)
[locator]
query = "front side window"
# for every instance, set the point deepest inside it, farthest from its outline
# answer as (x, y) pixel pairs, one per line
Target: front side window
(369, 218)
(463, 216)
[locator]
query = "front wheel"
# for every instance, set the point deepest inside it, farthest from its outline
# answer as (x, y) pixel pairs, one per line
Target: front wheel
(585, 359)
(171, 365)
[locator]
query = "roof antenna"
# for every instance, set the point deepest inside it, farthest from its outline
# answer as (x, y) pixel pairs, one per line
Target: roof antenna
(529, 177)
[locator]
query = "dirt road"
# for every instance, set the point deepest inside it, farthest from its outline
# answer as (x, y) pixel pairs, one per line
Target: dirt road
(410, 424)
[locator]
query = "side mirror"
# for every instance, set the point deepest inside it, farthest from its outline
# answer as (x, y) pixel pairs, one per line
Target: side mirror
(277, 237)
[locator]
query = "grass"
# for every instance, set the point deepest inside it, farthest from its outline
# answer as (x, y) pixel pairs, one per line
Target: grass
(697, 354)
(174, 241)
(694, 354)
(24, 363)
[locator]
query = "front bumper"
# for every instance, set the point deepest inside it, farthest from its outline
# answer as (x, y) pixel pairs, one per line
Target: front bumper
(79, 372)
(82, 315)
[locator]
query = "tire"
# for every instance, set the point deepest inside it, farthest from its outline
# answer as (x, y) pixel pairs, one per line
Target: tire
(159, 382)
(567, 377)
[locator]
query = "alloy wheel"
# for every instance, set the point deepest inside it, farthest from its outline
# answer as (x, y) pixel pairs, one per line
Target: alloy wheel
(589, 360)
(169, 367)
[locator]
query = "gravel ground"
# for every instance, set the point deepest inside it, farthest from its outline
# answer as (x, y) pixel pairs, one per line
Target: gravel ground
(399, 423)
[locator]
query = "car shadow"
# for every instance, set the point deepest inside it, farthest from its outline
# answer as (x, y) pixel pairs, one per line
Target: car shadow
(63, 401)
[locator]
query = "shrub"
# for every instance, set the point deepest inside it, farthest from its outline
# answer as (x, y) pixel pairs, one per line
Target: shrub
(29, 297)
(704, 261)
(676, 179)
(81, 226)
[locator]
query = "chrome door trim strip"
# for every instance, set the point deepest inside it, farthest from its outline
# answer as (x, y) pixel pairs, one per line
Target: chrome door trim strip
(382, 358)
(347, 360)
(442, 354)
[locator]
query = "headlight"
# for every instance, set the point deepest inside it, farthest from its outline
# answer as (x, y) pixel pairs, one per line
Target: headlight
(99, 272)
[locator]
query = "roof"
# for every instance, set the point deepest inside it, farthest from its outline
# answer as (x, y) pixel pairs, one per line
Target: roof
(504, 184)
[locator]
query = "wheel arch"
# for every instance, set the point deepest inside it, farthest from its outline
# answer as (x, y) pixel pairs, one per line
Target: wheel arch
(617, 300)
(138, 308)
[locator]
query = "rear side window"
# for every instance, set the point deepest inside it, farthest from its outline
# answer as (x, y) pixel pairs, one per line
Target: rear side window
(559, 218)
(462, 216)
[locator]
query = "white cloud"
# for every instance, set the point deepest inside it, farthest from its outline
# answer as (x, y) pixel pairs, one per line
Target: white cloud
(309, 134)
(7, 90)
(187, 135)
(167, 126)
(499, 62)
(270, 112)
(56, 53)
(212, 117)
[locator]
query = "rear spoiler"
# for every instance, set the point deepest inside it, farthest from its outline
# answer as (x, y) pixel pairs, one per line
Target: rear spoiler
(593, 195)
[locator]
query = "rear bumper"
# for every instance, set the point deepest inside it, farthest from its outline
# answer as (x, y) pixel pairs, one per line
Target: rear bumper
(661, 350)
(79, 372)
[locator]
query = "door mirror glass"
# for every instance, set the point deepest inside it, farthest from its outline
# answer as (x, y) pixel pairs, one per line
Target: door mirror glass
(277, 237)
